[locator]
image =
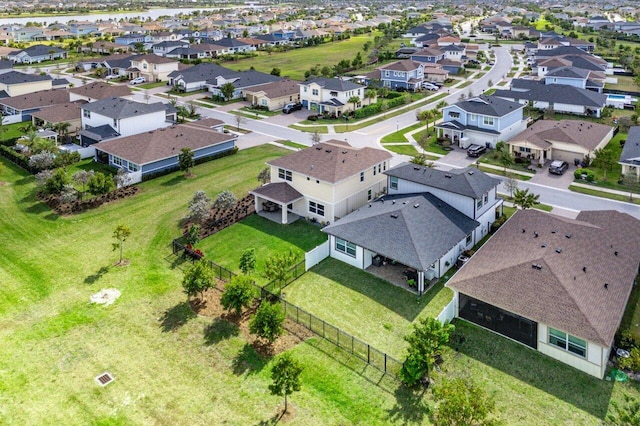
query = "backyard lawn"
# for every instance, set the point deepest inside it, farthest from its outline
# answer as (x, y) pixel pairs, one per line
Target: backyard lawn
(267, 237)
(366, 306)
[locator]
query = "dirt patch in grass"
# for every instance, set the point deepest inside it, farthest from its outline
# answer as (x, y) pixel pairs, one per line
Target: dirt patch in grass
(210, 306)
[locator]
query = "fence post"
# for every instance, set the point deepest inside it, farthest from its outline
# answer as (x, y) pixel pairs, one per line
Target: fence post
(385, 363)
(368, 354)
(323, 328)
(297, 315)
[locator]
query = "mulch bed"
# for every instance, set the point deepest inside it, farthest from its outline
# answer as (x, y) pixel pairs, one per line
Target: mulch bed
(79, 206)
(209, 306)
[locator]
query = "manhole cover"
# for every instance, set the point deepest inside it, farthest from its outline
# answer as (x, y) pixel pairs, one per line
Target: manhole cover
(104, 379)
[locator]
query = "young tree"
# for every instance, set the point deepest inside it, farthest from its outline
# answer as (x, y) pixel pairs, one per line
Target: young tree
(421, 160)
(43, 176)
(192, 235)
(354, 100)
(68, 194)
(285, 375)
(227, 90)
(511, 184)
(99, 184)
(66, 158)
(122, 178)
(264, 176)
(370, 94)
(81, 177)
(55, 184)
(248, 261)
(277, 266)
(199, 210)
(525, 200)
(239, 120)
(198, 278)
(41, 161)
(238, 294)
(425, 341)
(505, 157)
(186, 161)
(605, 159)
(316, 138)
(276, 71)
(384, 107)
(268, 322)
(120, 234)
(225, 200)
(462, 402)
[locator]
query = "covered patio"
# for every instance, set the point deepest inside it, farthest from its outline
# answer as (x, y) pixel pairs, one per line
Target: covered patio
(400, 275)
(274, 201)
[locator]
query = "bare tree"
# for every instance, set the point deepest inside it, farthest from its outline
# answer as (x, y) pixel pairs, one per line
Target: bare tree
(316, 138)
(239, 120)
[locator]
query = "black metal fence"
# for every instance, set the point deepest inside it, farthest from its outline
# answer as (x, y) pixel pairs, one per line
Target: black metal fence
(222, 273)
(276, 286)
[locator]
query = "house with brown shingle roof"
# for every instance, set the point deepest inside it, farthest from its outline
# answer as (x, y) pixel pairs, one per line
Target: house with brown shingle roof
(323, 182)
(99, 90)
(64, 113)
(557, 285)
(19, 108)
(566, 140)
(158, 150)
(275, 95)
(152, 67)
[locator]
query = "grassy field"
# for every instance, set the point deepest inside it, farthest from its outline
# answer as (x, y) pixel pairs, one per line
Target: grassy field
(625, 83)
(403, 149)
(267, 237)
(295, 62)
(399, 136)
(11, 131)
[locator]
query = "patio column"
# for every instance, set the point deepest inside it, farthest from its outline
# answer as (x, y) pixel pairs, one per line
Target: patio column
(256, 203)
(284, 215)
(421, 282)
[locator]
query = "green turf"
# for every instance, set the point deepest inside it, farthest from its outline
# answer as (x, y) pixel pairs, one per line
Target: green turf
(404, 149)
(153, 85)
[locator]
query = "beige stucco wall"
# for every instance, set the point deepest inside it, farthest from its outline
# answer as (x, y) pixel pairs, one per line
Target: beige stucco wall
(21, 89)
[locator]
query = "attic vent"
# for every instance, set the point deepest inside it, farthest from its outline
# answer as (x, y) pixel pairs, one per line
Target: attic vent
(416, 168)
(553, 231)
(524, 230)
(470, 172)
(327, 151)
(543, 245)
(558, 250)
(104, 379)
(318, 148)
(344, 152)
(535, 234)
(584, 269)
(393, 201)
(568, 235)
(369, 205)
(536, 266)
(404, 202)
(415, 206)
(393, 215)
(615, 253)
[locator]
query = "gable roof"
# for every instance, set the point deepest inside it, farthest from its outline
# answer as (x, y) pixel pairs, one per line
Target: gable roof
(414, 229)
(16, 77)
(404, 65)
(153, 59)
(336, 84)
(277, 88)
(488, 105)
(631, 150)
(200, 72)
(63, 112)
(279, 192)
(569, 72)
(41, 99)
(554, 93)
(118, 108)
(470, 182)
(429, 52)
(42, 50)
(248, 78)
(331, 161)
(166, 142)
(101, 90)
(543, 133)
(562, 294)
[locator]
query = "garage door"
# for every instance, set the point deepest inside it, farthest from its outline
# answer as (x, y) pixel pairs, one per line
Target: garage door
(567, 156)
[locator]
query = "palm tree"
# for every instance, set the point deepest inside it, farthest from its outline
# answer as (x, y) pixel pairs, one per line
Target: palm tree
(523, 199)
(354, 100)
(370, 94)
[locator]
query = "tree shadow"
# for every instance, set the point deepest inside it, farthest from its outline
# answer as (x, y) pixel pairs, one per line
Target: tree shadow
(248, 361)
(174, 180)
(274, 420)
(91, 279)
(410, 406)
(219, 330)
(176, 317)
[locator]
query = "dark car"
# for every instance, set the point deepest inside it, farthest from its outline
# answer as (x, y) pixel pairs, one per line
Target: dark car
(288, 108)
(476, 150)
(558, 167)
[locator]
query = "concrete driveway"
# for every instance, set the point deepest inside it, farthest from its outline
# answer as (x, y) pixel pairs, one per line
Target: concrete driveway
(288, 119)
(455, 159)
(543, 177)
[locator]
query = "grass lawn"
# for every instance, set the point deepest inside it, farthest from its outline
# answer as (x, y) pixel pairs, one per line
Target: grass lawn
(11, 131)
(267, 237)
(183, 94)
(489, 92)
(625, 83)
(310, 129)
(465, 84)
(246, 114)
(603, 194)
(292, 144)
(153, 85)
(361, 304)
(399, 136)
(432, 143)
(404, 149)
(294, 63)
(253, 112)
(501, 172)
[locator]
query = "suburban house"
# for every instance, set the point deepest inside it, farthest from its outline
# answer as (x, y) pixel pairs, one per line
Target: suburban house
(186, 53)
(194, 78)
(157, 150)
(37, 53)
(331, 95)
(64, 113)
(241, 80)
(164, 47)
(232, 45)
(431, 55)
(567, 140)
(116, 64)
(561, 290)
(274, 96)
(435, 72)
(152, 67)
(19, 108)
(122, 117)
(482, 120)
(427, 219)
(407, 74)
(559, 97)
(630, 155)
(323, 182)
(576, 77)
(15, 83)
(95, 91)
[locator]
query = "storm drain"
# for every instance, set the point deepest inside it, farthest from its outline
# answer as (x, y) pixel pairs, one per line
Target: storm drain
(104, 379)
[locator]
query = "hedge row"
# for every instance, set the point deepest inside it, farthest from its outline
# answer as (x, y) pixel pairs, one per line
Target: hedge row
(376, 108)
(15, 157)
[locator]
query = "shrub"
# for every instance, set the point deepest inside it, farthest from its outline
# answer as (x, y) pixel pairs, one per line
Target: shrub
(312, 117)
(99, 183)
(56, 183)
(15, 157)
(632, 362)
(626, 340)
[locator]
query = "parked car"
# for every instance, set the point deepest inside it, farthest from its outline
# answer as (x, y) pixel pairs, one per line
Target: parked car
(476, 150)
(492, 62)
(111, 76)
(558, 167)
(429, 86)
(138, 80)
(289, 108)
(435, 83)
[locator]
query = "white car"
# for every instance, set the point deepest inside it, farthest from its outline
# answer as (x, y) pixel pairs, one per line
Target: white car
(429, 86)
(138, 80)
(111, 76)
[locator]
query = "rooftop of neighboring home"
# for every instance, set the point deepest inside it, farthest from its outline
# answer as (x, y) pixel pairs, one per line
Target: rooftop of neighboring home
(41, 99)
(469, 181)
(209, 123)
(488, 105)
(63, 112)
(429, 51)
(17, 77)
(404, 65)
(101, 90)
(587, 267)
(554, 93)
(118, 108)
(332, 161)
(277, 88)
(166, 142)
(42, 50)
(152, 59)
(414, 229)
(575, 132)
(336, 84)
(200, 72)
(248, 78)
(631, 150)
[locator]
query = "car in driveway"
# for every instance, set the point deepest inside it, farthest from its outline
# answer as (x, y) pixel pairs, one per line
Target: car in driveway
(476, 150)
(289, 108)
(558, 167)
(429, 86)
(138, 80)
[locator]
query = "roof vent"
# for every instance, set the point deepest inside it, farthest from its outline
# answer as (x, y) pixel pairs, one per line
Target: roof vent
(327, 151)
(524, 230)
(553, 231)
(558, 250)
(447, 176)
(415, 206)
(535, 234)
(615, 253)
(393, 201)
(344, 152)
(404, 202)
(536, 266)
(343, 160)
(568, 235)
(394, 215)
(416, 168)
(606, 286)
(471, 172)
(318, 148)
(543, 245)
(369, 205)
(584, 269)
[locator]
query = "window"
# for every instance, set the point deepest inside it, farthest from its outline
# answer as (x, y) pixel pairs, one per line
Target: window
(568, 343)
(374, 170)
(393, 182)
(454, 114)
(468, 239)
(472, 117)
(488, 121)
(263, 102)
(285, 174)
(369, 195)
(115, 123)
(86, 113)
(523, 149)
(305, 89)
(345, 247)
(316, 208)
(379, 168)
(314, 92)
(361, 176)
(133, 167)
(117, 161)
(486, 198)
(479, 204)
(384, 166)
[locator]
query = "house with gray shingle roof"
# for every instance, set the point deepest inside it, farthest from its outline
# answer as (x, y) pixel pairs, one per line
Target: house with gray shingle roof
(481, 120)
(427, 219)
(630, 155)
(37, 53)
(330, 95)
(16, 83)
(561, 290)
(407, 74)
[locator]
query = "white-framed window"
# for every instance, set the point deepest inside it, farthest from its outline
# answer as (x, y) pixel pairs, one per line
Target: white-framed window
(479, 204)
(116, 160)
(86, 113)
(314, 92)
(263, 102)
(285, 174)
(345, 247)
(487, 121)
(472, 117)
(305, 89)
(115, 123)
(316, 208)
(361, 176)
(369, 195)
(384, 166)
(486, 198)
(454, 114)
(133, 167)
(393, 182)
(374, 170)
(523, 149)
(567, 342)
